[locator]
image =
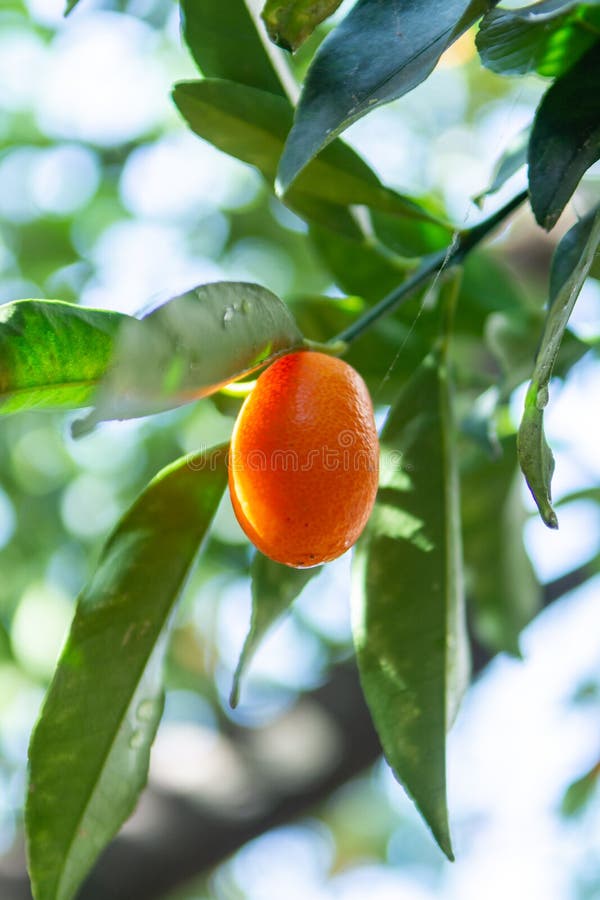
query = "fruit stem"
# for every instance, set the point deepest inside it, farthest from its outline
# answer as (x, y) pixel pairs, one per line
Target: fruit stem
(334, 347)
(461, 246)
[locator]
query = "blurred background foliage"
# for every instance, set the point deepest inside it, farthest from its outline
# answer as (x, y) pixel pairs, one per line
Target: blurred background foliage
(106, 199)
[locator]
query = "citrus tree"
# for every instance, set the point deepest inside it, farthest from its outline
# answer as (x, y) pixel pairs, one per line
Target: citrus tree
(438, 334)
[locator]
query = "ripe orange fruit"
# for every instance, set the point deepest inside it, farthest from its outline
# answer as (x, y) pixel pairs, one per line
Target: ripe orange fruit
(304, 459)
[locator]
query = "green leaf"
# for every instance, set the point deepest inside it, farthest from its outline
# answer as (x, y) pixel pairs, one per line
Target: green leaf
(190, 347)
(358, 266)
(379, 52)
(252, 125)
(408, 615)
(501, 583)
(565, 140)
(580, 792)
(513, 159)
(410, 237)
(274, 589)
(546, 37)
(291, 22)
(88, 757)
(71, 4)
(225, 43)
(514, 341)
(53, 354)
(385, 355)
(579, 247)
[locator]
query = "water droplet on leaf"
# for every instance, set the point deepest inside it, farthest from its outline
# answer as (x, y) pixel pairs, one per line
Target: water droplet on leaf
(541, 400)
(136, 741)
(146, 710)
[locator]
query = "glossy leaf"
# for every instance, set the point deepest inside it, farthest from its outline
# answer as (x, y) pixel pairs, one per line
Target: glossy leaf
(513, 159)
(225, 43)
(252, 125)
(501, 583)
(408, 616)
(565, 140)
(546, 37)
(88, 758)
(291, 22)
(274, 589)
(190, 347)
(579, 247)
(53, 354)
(379, 52)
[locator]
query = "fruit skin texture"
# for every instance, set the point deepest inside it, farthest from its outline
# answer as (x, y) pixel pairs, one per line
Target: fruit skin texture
(304, 460)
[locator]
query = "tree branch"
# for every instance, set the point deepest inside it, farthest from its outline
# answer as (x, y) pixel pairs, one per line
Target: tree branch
(432, 265)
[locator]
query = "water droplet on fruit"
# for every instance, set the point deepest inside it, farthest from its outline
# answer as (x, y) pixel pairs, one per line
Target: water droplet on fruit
(245, 307)
(228, 315)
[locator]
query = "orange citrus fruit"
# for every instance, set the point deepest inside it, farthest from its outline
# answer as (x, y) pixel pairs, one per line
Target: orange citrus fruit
(304, 459)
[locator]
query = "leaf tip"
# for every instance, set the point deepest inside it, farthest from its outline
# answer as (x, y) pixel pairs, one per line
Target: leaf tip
(81, 427)
(234, 695)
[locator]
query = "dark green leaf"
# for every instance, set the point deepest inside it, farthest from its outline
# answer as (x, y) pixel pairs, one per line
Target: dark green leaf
(274, 589)
(565, 140)
(500, 580)
(290, 22)
(190, 347)
(225, 43)
(579, 246)
(252, 125)
(89, 751)
(71, 4)
(513, 159)
(408, 616)
(546, 37)
(379, 52)
(53, 354)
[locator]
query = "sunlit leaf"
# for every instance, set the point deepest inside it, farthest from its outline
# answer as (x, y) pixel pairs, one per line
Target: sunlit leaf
(225, 43)
(500, 580)
(546, 37)
(408, 615)
(290, 22)
(579, 247)
(88, 758)
(274, 589)
(53, 354)
(190, 347)
(379, 52)
(565, 140)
